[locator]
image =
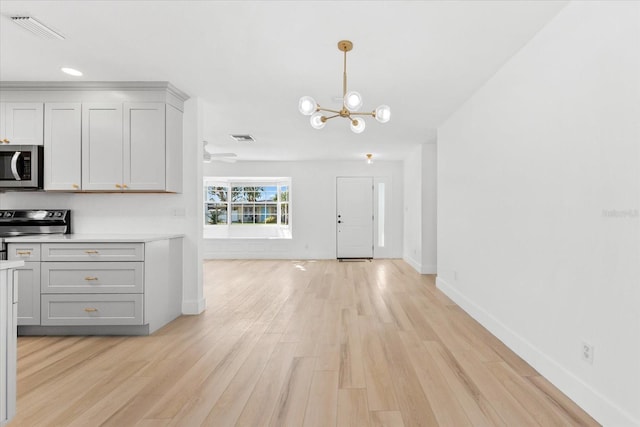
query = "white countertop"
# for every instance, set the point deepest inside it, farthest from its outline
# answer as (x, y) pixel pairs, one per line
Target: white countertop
(93, 238)
(4, 265)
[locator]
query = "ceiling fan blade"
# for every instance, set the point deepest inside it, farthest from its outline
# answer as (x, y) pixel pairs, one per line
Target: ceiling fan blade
(223, 155)
(224, 159)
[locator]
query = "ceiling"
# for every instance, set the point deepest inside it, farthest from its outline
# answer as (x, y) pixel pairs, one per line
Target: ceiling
(250, 61)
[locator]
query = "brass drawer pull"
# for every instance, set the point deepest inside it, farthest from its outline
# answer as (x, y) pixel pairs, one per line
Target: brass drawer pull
(91, 251)
(118, 186)
(89, 278)
(23, 252)
(90, 310)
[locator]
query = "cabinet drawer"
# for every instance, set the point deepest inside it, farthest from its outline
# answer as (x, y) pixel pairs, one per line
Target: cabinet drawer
(24, 251)
(93, 252)
(110, 309)
(92, 277)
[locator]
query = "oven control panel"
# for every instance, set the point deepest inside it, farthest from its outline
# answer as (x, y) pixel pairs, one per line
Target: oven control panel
(20, 222)
(34, 214)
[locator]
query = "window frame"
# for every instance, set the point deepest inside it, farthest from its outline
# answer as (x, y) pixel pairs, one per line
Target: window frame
(230, 183)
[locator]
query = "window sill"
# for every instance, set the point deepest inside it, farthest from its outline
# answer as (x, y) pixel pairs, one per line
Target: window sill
(247, 238)
(268, 232)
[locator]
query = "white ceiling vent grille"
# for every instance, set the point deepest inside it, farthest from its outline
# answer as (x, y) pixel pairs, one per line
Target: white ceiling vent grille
(36, 27)
(243, 138)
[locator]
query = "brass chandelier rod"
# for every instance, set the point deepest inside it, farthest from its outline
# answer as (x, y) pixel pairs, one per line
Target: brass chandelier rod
(344, 75)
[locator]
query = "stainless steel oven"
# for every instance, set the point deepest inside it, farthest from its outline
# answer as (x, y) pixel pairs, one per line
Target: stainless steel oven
(22, 222)
(21, 167)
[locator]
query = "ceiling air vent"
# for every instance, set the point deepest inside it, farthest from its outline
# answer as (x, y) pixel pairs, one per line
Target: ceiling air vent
(36, 27)
(243, 138)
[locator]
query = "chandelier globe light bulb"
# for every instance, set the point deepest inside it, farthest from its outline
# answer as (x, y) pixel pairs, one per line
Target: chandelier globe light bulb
(358, 125)
(383, 114)
(353, 101)
(316, 121)
(307, 105)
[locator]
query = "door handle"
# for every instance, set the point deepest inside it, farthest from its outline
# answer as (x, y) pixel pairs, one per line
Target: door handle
(14, 165)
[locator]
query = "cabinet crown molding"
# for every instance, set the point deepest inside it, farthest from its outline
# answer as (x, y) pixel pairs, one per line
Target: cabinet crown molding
(69, 86)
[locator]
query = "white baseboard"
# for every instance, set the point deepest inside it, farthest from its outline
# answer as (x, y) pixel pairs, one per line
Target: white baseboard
(193, 307)
(598, 406)
(413, 263)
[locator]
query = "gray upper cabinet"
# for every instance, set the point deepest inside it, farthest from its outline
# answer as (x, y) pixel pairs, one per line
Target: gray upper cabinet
(124, 147)
(144, 146)
(63, 145)
(21, 123)
(102, 137)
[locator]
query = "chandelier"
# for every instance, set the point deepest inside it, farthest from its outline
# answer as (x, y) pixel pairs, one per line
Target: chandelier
(351, 104)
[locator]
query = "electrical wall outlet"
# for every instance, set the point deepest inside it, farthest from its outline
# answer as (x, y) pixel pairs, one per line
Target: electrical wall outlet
(587, 352)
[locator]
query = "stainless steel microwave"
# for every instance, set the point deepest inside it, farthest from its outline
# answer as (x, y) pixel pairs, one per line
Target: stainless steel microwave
(21, 167)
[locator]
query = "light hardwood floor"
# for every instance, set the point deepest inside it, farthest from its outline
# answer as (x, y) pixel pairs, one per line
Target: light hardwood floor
(286, 343)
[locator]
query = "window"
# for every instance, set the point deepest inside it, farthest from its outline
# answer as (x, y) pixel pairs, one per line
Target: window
(236, 202)
(284, 204)
(216, 206)
(254, 204)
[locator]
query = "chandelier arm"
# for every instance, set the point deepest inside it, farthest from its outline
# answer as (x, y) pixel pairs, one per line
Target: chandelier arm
(372, 114)
(327, 110)
(332, 117)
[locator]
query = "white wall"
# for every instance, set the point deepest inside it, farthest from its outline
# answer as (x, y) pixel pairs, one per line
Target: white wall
(313, 205)
(412, 248)
(420, 189)
(538, 198)
(142, 213)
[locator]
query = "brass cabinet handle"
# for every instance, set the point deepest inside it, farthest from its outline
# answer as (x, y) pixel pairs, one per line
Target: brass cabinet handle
(124, 186)
(23, 252)
(75, 186)
(90, 310)
(118, 186)
(91, 251)
(89, 278)
(6, 141)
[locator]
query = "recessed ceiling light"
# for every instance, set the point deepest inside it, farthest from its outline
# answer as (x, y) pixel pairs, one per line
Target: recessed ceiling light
(71, 71)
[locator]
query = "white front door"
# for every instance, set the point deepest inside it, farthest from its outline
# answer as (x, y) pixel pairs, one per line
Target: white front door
(354, 217)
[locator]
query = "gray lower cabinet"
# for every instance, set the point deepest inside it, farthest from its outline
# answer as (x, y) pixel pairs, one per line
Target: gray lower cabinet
(105, 285)
(29, 294)
(29, 281)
